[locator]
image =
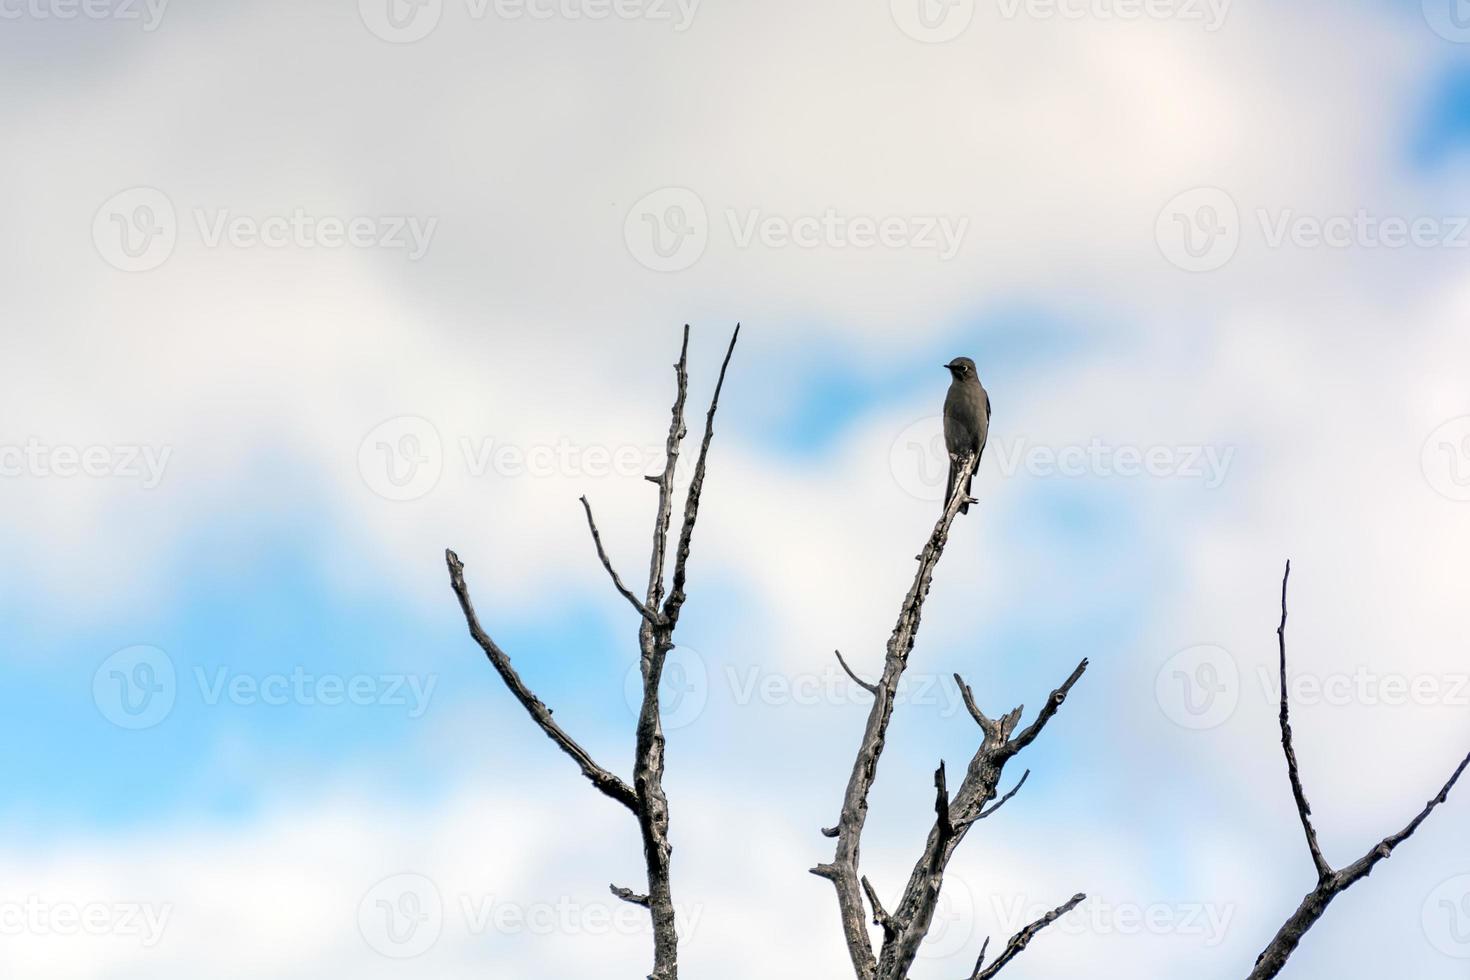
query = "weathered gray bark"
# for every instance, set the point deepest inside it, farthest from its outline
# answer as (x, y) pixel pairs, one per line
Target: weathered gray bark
(659, 615)
(1330, 883)
(905, 928)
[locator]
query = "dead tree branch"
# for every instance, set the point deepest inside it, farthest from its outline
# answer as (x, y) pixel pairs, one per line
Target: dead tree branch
(658, 617)
(1330, 883)
(906, 926)
(1020, 940)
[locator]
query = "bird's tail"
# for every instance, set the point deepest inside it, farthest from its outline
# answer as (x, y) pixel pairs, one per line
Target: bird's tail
(950, 489)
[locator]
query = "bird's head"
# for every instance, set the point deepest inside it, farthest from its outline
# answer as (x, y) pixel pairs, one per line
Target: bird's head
(962, 369)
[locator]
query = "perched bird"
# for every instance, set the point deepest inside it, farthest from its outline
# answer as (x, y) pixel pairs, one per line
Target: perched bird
(966, 421)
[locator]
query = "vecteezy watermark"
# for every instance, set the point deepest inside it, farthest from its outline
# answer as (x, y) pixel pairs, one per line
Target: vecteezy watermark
(1445, 459)
(403, 459)
(1200, 230)
(401, 916)
(752, 684)
(683, 688)
(35, 916)
(1445, 916)
(566, 916)
(919, 461)
(138, 687)
(932, 21)
(1210, 14)
(38, 460)
(954, 921)
(404, 916)
(1206, 921)
(406, 21)
(137, 230)
(148, 13)
(1198, 687)
(669, 229)
(1365, 686)
(300, 687)
(1450, 19)
(135, 688)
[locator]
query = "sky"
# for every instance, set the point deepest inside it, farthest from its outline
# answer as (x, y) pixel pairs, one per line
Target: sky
(298, 295)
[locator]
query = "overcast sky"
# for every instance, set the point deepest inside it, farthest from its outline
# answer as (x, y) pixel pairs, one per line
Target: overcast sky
(300, 294)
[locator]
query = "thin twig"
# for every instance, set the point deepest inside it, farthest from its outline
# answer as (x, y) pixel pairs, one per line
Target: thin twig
(1330, 883)
(870, 688)
(604, 780)
(1002, 802)
(630, 896)
(1020, 940)
(696, 489)
(623, 590)
(1303, 808)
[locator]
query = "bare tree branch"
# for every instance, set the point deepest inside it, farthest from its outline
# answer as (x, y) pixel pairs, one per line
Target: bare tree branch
(1020, 940)
(880, 917)
(605, 781)
(1330, 883)
(655, 640)
(623, 590)
(1002, 801)
(696, 488)
(942, 822)
(843, 870)
(870, 688)
(628, 895)
(980, 960)
(645, 797)
(915, 912)
(906, 926)
(1303, 808)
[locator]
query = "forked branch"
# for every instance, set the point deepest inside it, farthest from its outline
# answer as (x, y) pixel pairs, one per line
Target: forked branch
(657, 618)
(905, 927)
(1330, 883)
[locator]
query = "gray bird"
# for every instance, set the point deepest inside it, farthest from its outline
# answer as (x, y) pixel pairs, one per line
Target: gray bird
(966, 421)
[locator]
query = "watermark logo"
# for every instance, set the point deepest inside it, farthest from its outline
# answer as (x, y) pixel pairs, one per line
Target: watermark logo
(919, 461)
(135, 230)
(667, 230)
(400, 21)
(136, 687)
(1445, 916)
(402, 458)
(1207, 922)
(1209, 13)
(1450, 19)
(932, 21)
(412, 692)
(1365, 686)
(36, 916)
(401, 916)
(38, 460)
(954, 921)
(1199, 230)
(832, 686)
(683, 688)
(147, 12)
(1445, 459)
(1198, 687)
